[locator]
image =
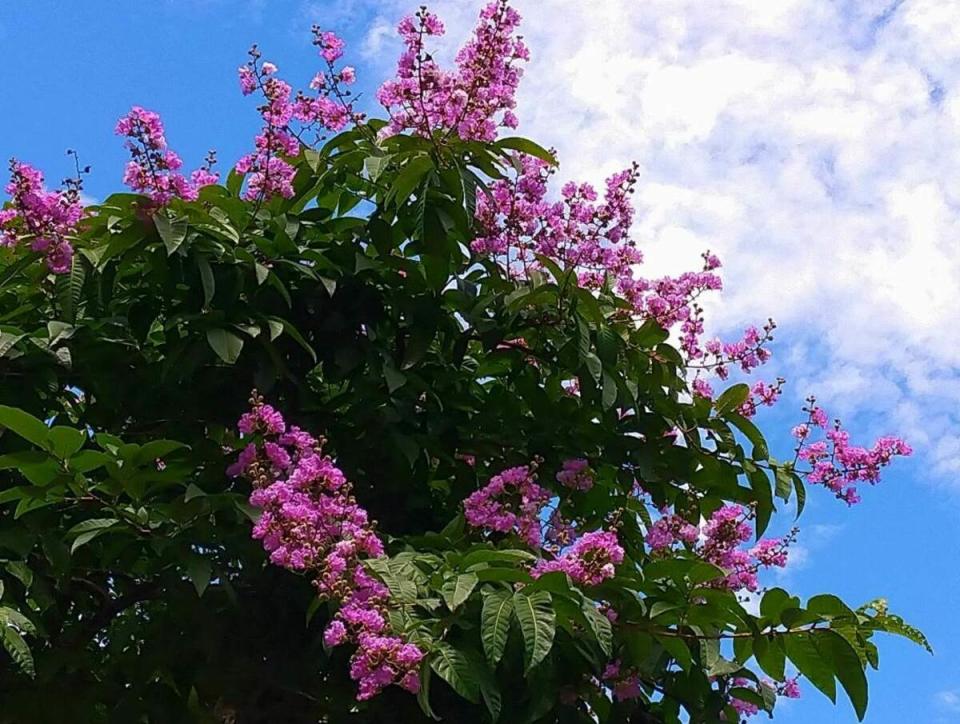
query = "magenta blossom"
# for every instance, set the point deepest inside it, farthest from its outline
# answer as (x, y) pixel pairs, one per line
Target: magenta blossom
(46, 219)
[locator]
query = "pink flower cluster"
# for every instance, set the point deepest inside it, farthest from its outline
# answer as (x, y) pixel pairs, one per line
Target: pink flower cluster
(591, 238)
(474, 99)
(789, 689)
(835, 463)
(749, 352)
(669, 529)
(510, 503)
(518, 222)
(310, 522)
(153, 168)
(625, 684)
(326, 108)
(761, 393)
(576, 474)
(719, 541)
(46, 218)
(589, 561)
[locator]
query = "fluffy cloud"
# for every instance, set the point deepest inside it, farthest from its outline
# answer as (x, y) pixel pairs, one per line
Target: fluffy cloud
(814, 146)
(949, 700)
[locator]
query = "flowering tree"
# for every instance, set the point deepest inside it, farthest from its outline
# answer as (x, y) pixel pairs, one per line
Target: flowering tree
(483, 474)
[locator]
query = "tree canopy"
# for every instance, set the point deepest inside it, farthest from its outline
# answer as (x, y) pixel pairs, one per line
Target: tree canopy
(383, 429)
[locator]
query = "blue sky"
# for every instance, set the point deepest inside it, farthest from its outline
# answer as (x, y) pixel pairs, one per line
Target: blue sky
(813, 144)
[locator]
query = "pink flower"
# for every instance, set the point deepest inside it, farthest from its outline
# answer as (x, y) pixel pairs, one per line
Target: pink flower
(331, 46)
(576, 474)
(510, 503)
(248, 80)
(153, 167)
(311, 523)
(702, 388)
(836, 464)
(472, 100)
(335, 633)
(49, 217)
(589, 561)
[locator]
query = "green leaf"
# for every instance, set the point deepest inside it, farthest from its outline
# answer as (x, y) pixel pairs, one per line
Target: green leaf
(732, 398)
(457, 590)
(87, 460)
(882, 620)
(22, 459)
(66, 440)
(18, 266)
(487, 555)
(537, 620)
(226, 344)
(295, 335)
(453, 666)
(491, 697)
(409, 178)
(89, 529)
(773, 602)
(402, 588)
(193, 492)
(723, 667)
(70, 289)
(678, 649)
(752, 433)
(524, 145)
(156, 449)
(768, 650)
(18, 649)
(829, 605)
(768, 694)
(206, 279)
(374, 166)
(495, 623)
(25, 425)
(8, 340)
(599, 626)
(811, 662)
(198, 571)
(846, 666)
(423, 696)
(394, 377)
(172, 233)
(11, 616)
(21, 571)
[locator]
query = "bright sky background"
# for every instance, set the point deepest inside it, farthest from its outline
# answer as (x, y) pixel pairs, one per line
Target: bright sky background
(814, 145)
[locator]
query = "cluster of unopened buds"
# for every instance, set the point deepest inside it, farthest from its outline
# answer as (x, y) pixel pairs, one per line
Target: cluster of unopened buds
(311, 523)
(834, 462)
(47, 219)
(153, 168)
(719, 540)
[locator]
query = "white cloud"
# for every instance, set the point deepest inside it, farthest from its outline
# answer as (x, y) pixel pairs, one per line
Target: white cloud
(949, 700)
(814, 146)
